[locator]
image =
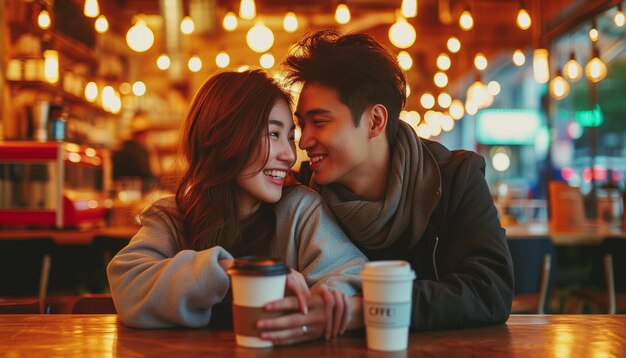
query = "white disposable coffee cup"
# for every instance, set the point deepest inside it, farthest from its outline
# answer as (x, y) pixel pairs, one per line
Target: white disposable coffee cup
(387, 293)
(255, 282)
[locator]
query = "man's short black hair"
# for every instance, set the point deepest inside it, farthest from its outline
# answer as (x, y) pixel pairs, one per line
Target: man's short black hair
(361, 70)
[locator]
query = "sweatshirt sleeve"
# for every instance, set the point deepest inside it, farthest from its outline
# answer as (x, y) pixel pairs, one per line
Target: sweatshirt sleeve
(325, 255)
(156, 284)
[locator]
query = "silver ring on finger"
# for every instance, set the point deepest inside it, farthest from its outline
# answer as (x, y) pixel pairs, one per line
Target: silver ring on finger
(305, 329)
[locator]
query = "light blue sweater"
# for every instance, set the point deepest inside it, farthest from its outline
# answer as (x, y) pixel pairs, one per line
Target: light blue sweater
(155, 283)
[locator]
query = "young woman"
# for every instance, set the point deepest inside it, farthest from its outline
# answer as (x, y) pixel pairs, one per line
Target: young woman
(231, 200)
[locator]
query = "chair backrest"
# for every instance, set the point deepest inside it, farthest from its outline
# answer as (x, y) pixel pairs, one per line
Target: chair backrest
(94, 303)
(25, 267)
(533, 258)
(108, 246)
(614, 250)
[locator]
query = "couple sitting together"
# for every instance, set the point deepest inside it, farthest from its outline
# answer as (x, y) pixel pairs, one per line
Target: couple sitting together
(378, 192)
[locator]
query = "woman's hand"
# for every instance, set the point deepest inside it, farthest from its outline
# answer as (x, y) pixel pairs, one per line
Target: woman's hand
(328, 311)
(296, 285)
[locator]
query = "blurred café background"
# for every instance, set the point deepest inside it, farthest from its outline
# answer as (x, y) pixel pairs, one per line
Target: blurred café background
(536, 87)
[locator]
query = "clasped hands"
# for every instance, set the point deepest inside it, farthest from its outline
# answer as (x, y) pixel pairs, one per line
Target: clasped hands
(312, 313)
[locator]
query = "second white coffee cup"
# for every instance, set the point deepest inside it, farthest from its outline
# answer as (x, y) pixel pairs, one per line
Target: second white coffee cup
(387, 293)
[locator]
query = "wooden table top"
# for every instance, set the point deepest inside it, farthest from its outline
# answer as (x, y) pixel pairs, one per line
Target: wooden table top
(72, 236)
(104, 335)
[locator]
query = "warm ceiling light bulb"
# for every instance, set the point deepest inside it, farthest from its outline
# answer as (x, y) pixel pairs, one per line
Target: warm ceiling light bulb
(260, 38)
(466, 21)
(427, 100)
(91, 9)
(140, 38)
(409, 8)
(247, 9)
(342, 14)
(447, 124)
(43, 20)
(519, 58)
(163, 62)
(523, 19)
(456, 109)
(493, 87)
(230, 21)
(267, 60)
(480, 61)
(443, 62)
(559, 88)
(541, 67)
(194, 63)
(402, 34)
(454, 45)
(619, 18)
(440, 79)
(471, 107)
(444, 100)
(222, 59)
(572, 70)
(595, 69)
(187, 26)
(594, 34)
(102, 24)
(139, 88)
(290, 22)
(91, 91)
(404, 60)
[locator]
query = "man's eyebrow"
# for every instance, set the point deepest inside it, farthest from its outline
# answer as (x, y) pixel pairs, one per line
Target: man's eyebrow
(312, 112)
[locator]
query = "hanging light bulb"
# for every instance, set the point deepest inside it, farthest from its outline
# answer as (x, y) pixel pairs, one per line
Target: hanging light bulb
(260, 38)
(480, 61)
(267, 60)
(401, 33)
(139, 88)
(619, 18)
(43, 20)
(523, 19)
(454, 45)
(456, 109)
(187, 26)
(519, 58)
(51, 66)
(493, 87)
(559, 88)
(91, 9)
(290, 23)
(443, 62)
(102, 24)
(444, 100)
(404, 60)
(91, 91)
(572, 69)
(247, 9)
(222, 59)
(427, 100)
(594, 34)
(194, 63)
(230, 21)
(409, 8)
(466, 21)
(163, 62)
(595, 68)
(541, 69)
(140, 38)
(440, 79)
(342, 14)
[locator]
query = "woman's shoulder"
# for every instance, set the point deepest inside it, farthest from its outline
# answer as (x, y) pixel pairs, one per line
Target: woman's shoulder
(298, 194)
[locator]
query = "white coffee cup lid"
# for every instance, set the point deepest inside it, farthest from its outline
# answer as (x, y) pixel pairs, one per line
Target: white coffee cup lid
(387, 270)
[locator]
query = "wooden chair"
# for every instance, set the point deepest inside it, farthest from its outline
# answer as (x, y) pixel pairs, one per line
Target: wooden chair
(93, 303)
(532, 260)
(25, 272)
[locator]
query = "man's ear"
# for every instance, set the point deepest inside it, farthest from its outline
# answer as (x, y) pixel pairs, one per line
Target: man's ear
(378, 120)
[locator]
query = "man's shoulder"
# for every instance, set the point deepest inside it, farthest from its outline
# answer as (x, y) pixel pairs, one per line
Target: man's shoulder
(453, 159)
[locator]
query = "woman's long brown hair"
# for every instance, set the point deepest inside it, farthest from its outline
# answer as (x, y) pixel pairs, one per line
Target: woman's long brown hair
(223, 130)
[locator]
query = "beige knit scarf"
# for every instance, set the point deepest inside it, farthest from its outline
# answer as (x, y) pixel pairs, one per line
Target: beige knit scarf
(411, 196)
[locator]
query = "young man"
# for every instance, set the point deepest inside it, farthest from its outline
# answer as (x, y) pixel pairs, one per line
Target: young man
(398, 197)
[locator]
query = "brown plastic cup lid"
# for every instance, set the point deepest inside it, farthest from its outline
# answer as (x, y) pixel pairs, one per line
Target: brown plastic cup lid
(258, 266)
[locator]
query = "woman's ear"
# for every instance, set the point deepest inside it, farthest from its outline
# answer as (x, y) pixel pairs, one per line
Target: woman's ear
(378, 120)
